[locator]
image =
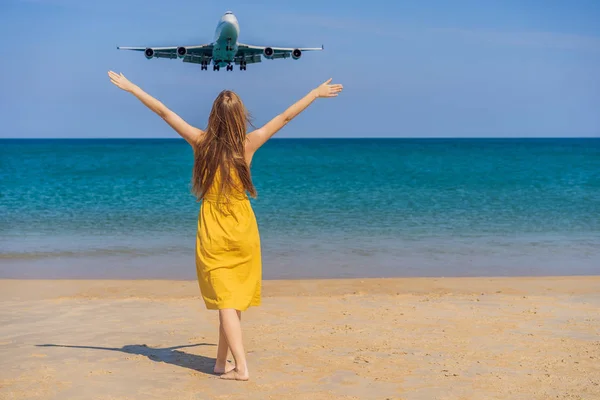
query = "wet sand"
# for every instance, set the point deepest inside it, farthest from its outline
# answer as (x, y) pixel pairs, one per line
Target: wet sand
(414, 338)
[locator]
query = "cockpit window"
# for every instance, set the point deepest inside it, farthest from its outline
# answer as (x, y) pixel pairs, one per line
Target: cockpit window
(228, 12)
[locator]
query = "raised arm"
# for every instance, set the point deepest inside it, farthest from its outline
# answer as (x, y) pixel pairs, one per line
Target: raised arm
(258, 137)
(188, 132)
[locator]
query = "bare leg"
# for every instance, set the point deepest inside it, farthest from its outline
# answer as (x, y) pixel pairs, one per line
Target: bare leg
(221, 365)
(230, 321)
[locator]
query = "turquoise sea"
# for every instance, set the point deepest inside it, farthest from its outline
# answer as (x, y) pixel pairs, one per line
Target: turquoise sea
(325, 208)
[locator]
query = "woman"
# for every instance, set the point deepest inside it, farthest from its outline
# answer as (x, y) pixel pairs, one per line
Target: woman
(228, 259)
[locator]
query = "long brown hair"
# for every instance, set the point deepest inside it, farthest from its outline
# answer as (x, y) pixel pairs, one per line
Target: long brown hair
(222, 149)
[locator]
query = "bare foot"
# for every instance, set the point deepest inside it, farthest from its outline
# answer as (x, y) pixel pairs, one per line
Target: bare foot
(235, 375)
(223, 370)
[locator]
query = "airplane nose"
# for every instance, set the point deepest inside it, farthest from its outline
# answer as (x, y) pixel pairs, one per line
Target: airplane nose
(229, 17)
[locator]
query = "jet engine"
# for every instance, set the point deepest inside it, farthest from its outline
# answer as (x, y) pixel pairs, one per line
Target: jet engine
(268, 52)
(296, 54)
(149, 53)
(181, 52)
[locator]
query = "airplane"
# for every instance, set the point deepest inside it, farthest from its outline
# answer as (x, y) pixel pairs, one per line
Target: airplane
(224, 50)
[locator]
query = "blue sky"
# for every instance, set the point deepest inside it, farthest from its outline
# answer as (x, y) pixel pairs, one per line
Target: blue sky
(409, 68)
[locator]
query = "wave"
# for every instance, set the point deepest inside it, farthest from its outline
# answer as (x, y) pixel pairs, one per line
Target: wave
(101, 252)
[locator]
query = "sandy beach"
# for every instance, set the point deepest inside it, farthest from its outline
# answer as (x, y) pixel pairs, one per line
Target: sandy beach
(414, 338)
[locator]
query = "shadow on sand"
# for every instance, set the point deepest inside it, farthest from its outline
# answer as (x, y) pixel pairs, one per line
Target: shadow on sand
(169, 355)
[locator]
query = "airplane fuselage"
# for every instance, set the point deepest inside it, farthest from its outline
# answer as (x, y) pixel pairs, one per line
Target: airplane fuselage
(226, 40)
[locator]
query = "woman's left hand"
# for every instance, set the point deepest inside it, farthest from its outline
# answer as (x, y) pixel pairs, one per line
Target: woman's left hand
(120, 81)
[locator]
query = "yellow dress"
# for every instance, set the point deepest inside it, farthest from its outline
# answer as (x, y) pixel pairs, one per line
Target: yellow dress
(228, 256)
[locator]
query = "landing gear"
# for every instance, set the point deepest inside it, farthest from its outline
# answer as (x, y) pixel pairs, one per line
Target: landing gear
(217, 67)
(243, 66)
(204, 66)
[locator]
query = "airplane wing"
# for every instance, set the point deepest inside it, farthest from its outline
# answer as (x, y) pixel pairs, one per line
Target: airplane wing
(193, 54)
(251, 53)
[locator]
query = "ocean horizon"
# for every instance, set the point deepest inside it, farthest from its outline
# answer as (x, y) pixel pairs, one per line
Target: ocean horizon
(119, 208)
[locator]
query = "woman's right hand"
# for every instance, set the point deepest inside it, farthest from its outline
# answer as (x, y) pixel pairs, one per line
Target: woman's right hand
(327, 90)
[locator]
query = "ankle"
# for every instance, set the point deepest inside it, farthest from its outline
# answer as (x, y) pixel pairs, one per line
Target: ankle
(242, 369)
(221, 362)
